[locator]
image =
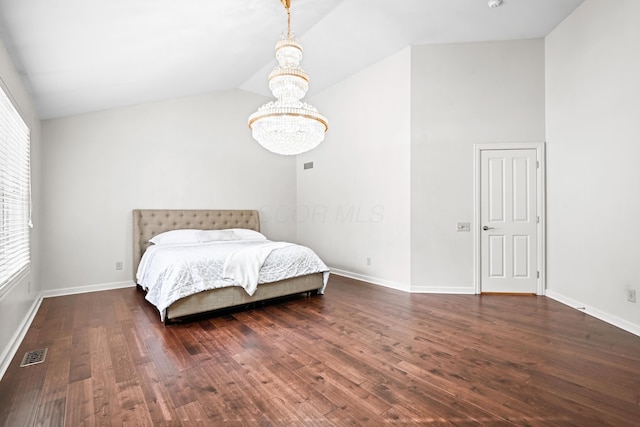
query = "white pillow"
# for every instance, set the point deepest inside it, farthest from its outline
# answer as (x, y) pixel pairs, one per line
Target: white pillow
(174, 237)
(246, 234)
(216, 235)
(185, 236)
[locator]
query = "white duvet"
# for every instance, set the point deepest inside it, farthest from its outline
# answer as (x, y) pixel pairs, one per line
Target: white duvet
(172, 272)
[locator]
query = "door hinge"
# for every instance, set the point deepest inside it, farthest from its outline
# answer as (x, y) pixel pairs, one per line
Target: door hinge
(537, 164)
(538, 275)
(538, 219)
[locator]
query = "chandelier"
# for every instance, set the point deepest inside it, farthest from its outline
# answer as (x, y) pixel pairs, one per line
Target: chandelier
(287, 125)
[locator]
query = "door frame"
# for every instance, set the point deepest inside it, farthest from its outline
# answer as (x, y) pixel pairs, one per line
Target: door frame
(541, 198)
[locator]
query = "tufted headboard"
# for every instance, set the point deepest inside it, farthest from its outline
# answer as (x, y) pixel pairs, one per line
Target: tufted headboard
(151, 222)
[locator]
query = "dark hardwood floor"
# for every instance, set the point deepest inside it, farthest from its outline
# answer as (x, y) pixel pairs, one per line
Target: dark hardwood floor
(359, 355)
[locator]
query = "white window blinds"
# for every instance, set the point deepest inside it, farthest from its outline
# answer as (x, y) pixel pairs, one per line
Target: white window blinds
(15, 192)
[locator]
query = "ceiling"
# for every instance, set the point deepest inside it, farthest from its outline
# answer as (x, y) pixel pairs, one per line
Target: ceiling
(78, 56)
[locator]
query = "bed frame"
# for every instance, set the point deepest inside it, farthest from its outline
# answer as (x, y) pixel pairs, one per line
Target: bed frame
(151, 222)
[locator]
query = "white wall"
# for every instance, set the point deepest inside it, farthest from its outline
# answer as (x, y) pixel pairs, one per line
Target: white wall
(19, 300)
(593, 178)
(354, 203)
(190, 153)
(463, 94)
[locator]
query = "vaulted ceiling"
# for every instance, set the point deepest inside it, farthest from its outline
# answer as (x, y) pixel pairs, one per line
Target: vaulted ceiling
(78, 56)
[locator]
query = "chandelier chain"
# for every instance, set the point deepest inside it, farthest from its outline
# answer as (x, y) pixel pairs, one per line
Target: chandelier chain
(287, 6)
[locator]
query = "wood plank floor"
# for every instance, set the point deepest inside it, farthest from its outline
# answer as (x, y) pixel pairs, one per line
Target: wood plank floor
(359, 355)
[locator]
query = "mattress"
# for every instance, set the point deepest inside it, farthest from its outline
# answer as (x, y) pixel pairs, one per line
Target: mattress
(175, 271)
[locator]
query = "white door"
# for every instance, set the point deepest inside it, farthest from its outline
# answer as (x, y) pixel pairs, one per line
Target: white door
(508, 221)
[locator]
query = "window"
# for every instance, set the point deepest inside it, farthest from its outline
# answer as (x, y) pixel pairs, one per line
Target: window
(15, 192)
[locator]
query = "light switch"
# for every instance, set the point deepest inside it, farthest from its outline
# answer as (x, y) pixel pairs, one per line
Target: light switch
(464, 226)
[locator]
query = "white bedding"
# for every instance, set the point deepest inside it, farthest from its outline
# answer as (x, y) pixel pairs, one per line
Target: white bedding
(172, 272)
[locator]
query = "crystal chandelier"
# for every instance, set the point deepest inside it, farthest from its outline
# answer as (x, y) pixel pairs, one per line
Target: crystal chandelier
(287, 125)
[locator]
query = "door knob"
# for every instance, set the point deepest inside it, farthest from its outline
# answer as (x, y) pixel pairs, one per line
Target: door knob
(485, 228)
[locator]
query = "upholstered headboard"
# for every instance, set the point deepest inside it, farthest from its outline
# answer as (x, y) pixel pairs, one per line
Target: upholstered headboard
(151, 222)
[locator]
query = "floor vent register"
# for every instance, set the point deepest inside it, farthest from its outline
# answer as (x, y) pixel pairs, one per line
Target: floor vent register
(33, 357)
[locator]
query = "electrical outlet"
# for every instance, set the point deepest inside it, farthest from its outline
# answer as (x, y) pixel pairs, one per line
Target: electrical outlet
(368, 261)
(118, 265)
(631, 295)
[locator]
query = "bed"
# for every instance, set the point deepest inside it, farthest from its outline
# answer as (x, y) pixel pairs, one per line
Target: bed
(152, 223)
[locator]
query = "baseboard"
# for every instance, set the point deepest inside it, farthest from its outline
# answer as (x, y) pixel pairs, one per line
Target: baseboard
(605, 317)
(460, 290)
(86, 289)
(403, 287)
(374, 280)
(16, 339)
